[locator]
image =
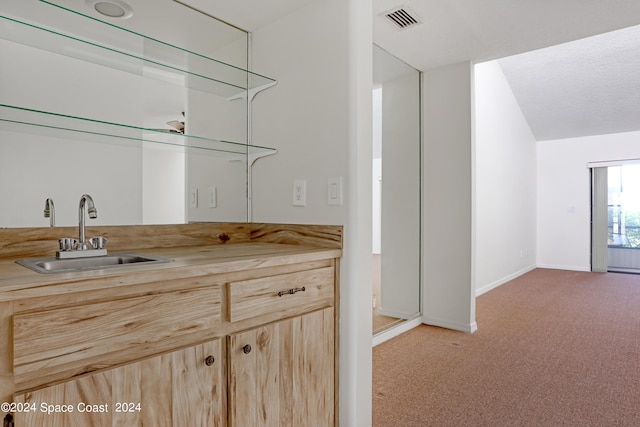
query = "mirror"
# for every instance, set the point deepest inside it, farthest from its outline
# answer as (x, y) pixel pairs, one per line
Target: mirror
(131, 180)
(396, 191)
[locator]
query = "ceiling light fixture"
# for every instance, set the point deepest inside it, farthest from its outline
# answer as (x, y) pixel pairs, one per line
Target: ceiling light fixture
(117, 9)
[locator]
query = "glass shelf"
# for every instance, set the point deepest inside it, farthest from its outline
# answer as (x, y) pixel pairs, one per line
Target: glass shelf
(26, 120)
(132, 52)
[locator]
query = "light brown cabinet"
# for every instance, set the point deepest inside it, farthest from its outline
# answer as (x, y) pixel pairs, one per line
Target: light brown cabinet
(282, 374)
(247, 348)
(181, 388)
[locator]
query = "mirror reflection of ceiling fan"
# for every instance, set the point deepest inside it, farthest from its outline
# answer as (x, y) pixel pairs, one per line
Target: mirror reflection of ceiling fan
(177, 126)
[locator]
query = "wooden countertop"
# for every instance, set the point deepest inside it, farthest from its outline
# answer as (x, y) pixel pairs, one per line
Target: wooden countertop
(18, 282)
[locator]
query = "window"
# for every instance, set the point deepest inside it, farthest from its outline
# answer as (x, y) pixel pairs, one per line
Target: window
(624, 206)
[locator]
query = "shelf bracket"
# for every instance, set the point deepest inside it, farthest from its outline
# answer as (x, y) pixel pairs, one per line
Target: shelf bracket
(251, 158)
(251, 93)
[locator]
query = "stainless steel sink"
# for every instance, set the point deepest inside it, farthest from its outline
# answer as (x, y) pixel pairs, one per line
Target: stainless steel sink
(55, 265)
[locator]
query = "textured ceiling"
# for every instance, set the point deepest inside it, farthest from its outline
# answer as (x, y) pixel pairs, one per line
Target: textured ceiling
(586, 87)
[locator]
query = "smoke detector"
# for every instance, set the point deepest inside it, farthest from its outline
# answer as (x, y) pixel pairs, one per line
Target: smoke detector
(402, 17)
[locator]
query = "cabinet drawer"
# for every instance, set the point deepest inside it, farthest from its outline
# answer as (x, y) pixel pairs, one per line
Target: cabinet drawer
(287, 294)
(51, 340)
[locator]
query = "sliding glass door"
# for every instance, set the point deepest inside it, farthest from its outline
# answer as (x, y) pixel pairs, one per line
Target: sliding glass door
(616, 218)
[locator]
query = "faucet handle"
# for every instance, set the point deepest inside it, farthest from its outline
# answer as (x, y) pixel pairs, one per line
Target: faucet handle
(98, 242)
(50, 211)
(67, 243)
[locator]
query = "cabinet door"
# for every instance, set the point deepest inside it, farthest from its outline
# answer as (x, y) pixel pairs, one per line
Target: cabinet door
(282, 374)
(185, 387)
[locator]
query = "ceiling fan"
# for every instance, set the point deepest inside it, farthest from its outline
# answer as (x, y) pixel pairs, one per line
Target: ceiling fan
(177, 126)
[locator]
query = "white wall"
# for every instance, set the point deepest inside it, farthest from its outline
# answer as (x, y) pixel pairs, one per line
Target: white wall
(564, 197)
(36, 165)
(505, 182)
(318, 116)
(216, 117)
(449, 293)
(303, 116)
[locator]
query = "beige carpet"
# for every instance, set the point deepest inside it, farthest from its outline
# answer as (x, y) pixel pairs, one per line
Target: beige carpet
(553, 348)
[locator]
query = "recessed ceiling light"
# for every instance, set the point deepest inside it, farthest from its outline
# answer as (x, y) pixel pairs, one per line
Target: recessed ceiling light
(111, 8)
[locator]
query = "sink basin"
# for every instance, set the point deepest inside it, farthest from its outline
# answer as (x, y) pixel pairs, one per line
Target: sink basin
(55, 265)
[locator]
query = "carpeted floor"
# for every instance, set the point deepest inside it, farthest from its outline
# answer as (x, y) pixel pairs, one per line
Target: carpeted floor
(553, 348)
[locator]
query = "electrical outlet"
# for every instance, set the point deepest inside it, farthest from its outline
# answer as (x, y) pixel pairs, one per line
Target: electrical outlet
(299, 192)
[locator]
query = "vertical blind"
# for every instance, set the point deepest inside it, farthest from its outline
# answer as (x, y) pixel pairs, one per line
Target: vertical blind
(599, 219)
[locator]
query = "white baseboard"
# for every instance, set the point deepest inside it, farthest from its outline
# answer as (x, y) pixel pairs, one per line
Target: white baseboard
(395, 331)
(564, 267)
(468, 328)
(396, 314)
(504, 280)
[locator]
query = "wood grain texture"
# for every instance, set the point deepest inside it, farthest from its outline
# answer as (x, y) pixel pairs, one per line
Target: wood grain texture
(127, 387)
(257, 297)
(329, 236)
(39, 242)
(312, 368)
(88, 291)
(173, 389)
(94, 389)
(254, 378)
(52, 338)
(288, 377)
(6, 356)
(134, 362)
(199, 391)
(19, 283)
(38, 378)
(18, 243)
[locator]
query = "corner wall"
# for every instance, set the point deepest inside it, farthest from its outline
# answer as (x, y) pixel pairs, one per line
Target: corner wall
(505, 182)
(449, 293)
(318, 116)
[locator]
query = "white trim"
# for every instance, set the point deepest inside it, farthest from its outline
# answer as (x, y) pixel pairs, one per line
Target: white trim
(395, 331)
(493, 285)
(468, 328)
(396, 314)
(564, 267)
(608, 163)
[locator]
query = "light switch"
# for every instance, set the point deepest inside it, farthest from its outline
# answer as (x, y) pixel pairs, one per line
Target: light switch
(213, 197)
(334, 190)
(193, 197)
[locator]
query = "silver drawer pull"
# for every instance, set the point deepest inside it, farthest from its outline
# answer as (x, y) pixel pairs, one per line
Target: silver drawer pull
(291, 291)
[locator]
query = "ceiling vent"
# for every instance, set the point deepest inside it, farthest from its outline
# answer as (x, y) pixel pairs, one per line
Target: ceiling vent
(402, 17)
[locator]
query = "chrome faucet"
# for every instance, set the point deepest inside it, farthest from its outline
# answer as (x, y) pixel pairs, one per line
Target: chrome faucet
(80, 248)
(50, 211)
(93, 213)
